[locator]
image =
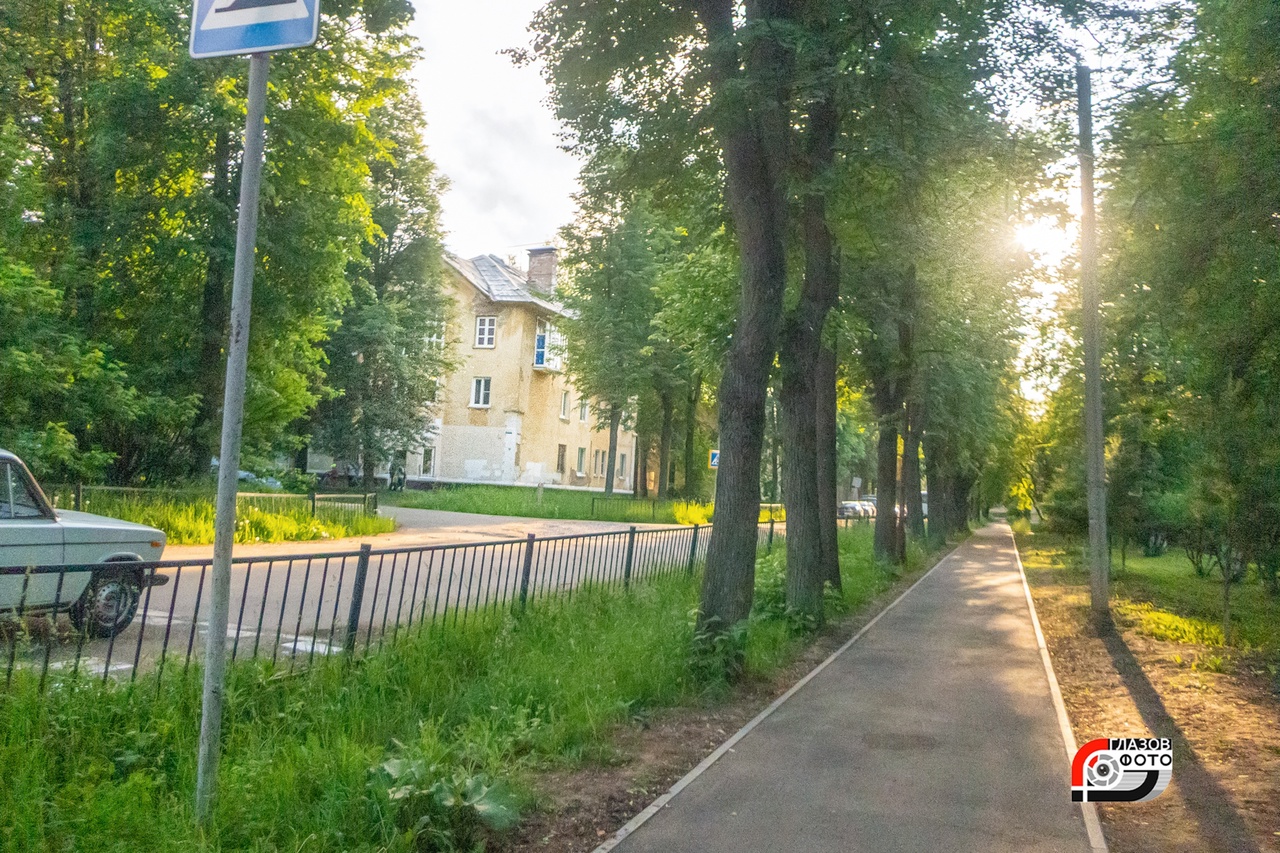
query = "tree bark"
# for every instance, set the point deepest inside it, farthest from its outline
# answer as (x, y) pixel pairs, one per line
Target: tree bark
(642, 465)
(214, 309)
(615, 420)
(886, 535)
(913, 503)
(828, 501)
(775, 452)
(751, 95)
(800, 353)
(939, 491)
(692, 468)
(665, 438)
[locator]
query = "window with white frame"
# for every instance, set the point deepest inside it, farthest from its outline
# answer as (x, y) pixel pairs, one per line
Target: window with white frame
(561, 452)
(595, 463)
(564, 405)
(582, 410)
(582, 461)
(480, 388)
(486, 332)
(622, 465)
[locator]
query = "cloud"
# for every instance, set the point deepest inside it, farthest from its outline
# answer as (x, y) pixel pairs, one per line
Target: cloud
(489, 129)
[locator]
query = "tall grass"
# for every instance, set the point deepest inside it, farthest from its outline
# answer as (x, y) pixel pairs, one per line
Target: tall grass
(188, 518)
(89, 767)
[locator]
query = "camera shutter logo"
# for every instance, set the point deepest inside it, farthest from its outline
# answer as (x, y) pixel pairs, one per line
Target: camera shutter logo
(1121, 770)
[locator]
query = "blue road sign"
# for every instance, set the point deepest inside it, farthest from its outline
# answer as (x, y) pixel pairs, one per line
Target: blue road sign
(713, 460)
(228, 27)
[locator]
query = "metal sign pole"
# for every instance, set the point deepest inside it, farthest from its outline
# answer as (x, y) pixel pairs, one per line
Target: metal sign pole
(215, 660)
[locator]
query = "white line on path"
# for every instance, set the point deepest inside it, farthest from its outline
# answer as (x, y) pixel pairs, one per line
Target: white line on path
(1088, 810)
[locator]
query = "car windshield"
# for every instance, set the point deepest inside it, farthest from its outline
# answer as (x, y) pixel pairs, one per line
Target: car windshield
(16, 498)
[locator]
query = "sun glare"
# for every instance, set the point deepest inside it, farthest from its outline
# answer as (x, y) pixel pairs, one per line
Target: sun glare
(1047, 240)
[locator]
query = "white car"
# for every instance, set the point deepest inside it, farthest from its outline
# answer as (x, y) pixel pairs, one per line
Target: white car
(101, 593)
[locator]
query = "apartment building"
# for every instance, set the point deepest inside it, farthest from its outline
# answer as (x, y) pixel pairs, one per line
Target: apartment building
(508, 413)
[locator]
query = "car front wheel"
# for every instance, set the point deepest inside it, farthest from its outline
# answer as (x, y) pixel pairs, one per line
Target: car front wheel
(108, 604)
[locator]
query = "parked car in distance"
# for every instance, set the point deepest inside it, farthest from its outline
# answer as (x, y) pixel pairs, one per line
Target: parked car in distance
(101, 598)
(857, 509)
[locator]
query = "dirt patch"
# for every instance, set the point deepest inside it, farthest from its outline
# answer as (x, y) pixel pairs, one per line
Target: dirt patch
(584, 806)
(1225, 794)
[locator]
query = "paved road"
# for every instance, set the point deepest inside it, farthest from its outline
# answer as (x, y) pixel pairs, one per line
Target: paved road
(417, 527)
(294, 600)
(935, 731)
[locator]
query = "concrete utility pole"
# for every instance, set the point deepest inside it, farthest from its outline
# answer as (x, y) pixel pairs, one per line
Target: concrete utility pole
(215, 660)
(1095, 461)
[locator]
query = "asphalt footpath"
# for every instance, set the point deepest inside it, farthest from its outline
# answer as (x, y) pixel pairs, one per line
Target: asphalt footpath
(934, 730)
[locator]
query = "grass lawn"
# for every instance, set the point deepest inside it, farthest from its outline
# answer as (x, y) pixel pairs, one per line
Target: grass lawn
(524, 501)
(417, 741)
(1162, 598)
(1165, 672)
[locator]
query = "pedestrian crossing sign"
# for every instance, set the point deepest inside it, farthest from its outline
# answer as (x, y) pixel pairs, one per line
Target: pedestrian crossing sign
(713, 460)
(229, 27)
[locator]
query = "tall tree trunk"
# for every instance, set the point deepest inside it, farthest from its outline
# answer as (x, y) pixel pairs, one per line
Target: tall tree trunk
(799, 354)
(214, 310)
(961, 489)
(939, 491)
(692, 466)
(886, 535)
(751, 92)
(800, 470)
(775, 451)
(615, 420)
(667, 401)
(643, 443)
(828, 501)
(913, 503)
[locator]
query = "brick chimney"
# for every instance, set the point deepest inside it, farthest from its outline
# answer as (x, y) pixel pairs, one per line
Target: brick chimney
(542, 269)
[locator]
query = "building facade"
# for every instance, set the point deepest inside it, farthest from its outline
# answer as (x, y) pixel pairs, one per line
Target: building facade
(508, 414)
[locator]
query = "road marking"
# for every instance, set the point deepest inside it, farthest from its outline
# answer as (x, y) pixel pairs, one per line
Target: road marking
(1089, 811)
(311, 644)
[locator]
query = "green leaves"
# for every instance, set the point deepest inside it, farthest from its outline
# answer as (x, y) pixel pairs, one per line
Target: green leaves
(440, 808)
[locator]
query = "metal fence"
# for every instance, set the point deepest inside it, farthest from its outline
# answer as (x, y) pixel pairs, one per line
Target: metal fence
(294, 608)
(113, 500)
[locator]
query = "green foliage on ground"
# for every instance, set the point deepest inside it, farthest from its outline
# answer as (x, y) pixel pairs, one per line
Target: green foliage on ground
(188, 519)
(525, 502)
(425, 745)
(1162, 597)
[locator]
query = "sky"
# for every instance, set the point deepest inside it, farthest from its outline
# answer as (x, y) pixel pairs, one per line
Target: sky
(489, 129)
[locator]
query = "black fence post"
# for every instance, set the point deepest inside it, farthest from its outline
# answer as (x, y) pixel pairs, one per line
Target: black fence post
(525, 571)
(631, 550)
(693, 549)
(769, 549)
(78, 500)
(653, 511)
(357, 597)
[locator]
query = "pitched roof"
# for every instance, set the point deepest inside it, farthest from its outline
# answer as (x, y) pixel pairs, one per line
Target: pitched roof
(498, 281)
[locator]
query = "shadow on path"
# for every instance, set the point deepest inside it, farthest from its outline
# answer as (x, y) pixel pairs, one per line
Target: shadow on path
(1219, 824)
